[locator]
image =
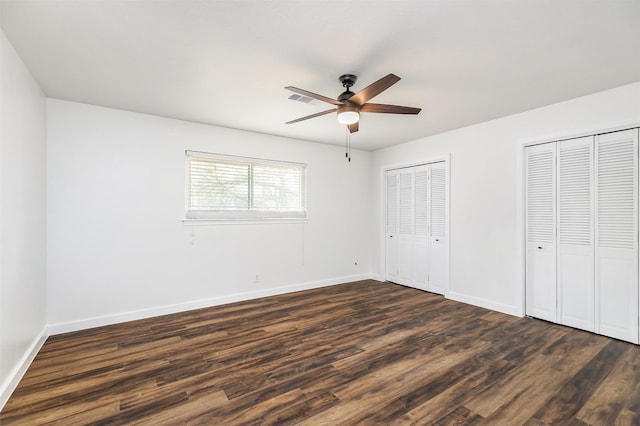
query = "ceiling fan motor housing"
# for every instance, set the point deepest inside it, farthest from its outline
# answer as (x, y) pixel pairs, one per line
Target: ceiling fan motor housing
(344, 96)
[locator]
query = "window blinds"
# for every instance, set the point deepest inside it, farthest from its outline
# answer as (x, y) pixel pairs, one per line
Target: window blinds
(223, 187)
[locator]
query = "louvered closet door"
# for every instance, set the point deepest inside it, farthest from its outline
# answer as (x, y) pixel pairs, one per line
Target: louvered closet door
(576, 247)
(392, 227)
(421, 261)
(405, 228)
(540, 209)
(417, 240)
(439, 230)
(617, 235)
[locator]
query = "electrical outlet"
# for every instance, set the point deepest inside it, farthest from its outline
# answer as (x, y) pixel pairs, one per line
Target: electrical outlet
(257, 278)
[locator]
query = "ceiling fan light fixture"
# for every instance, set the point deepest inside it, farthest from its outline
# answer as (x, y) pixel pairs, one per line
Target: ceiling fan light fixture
(348, 114)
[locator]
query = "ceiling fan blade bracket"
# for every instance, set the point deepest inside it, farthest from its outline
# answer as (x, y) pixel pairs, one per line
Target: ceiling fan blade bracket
(374, 89)
(389, 109)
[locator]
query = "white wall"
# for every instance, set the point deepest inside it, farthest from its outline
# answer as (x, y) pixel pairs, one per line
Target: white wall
(22, 218)
(117, 246)
(486, 252)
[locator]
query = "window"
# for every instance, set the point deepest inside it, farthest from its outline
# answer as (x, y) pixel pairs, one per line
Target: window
(238, 188)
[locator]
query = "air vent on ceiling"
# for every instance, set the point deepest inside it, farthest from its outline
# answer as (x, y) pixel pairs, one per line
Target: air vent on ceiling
(300, 98)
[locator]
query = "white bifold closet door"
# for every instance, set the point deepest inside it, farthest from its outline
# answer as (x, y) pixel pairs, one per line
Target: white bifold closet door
(392, 228)
(575, 250)
(422, 259)
(438, 235)
(406, 227)
(616, 269)
(540, 208)
(416, 234)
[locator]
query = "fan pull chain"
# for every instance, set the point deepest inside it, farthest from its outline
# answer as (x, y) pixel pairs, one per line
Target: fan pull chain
(347, 145)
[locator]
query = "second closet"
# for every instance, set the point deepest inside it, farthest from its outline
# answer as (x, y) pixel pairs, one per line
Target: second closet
(582, 233)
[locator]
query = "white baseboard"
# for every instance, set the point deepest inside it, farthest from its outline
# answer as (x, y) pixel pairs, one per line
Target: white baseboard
(66, 327)
(484, 303)
(7, 388)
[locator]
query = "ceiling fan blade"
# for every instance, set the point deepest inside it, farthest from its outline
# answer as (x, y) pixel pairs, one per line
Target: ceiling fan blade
(389, 109)
(329, 111)
(353, 127)
(374, 89)
(314, 95)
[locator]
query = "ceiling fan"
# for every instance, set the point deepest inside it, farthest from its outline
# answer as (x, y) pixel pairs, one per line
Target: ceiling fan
(349, 105)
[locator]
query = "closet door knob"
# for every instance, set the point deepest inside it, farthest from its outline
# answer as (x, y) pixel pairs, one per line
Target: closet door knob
(539, 247)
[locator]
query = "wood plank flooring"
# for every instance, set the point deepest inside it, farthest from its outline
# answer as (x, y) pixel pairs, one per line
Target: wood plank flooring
(358, 353)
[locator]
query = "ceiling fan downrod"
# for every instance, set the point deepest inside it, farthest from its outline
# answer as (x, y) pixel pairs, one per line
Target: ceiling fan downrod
(347, 80)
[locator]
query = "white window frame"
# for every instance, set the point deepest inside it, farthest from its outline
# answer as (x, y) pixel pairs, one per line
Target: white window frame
(250, 214)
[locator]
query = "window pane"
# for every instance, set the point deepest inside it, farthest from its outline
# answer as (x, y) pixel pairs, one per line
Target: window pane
(277, 188)
(219, 185)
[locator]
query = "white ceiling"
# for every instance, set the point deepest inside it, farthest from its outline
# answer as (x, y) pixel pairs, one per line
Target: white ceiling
(227, 62)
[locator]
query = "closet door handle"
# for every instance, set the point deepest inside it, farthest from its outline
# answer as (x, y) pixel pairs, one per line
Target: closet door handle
(539, 247)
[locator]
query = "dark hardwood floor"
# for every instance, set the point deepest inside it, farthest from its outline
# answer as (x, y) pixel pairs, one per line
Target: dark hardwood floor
(357, 353)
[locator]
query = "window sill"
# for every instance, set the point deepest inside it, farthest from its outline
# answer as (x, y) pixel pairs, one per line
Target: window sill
(248, 221)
